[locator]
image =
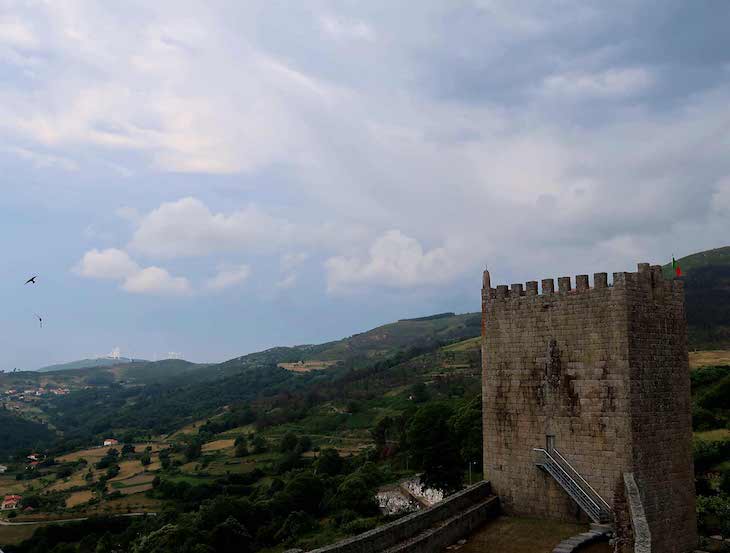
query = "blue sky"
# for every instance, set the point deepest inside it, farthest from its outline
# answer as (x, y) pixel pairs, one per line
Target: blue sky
(215, 178)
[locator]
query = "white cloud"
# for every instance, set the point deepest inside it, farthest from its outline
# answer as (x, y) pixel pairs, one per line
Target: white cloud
(163, 87)
(292, 260)
(154, 280)
(227, 277)
(394, 260)
(15, 32)
(110, 263)
(611, 83)
(289, 281)
(721, 197)
(188, 228)
(116, 264)
(127, 213)
(42, 160)
(342, 29)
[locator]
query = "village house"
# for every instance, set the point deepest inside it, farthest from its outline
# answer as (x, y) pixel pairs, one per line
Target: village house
(3, 469)
(110, 442)
(11, 502)
(34, 457)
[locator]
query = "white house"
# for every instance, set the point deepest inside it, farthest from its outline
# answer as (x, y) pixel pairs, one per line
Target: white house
(110, 441)
(3, 469)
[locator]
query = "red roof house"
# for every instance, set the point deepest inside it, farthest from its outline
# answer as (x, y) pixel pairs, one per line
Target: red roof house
(11, 502)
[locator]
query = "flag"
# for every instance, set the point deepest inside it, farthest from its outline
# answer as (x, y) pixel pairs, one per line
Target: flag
(676, 267)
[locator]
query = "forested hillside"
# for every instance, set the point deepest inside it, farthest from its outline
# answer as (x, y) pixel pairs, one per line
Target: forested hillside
(707, 285)
(17, 432)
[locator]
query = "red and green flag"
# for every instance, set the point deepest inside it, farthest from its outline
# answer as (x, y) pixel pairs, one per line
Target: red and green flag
(676, 267)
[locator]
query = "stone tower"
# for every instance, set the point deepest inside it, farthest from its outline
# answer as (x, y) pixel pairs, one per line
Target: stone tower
(587, 404)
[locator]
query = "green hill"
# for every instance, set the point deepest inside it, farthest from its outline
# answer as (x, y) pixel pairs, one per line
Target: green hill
(17, 432)
(86, 364)
(707, 287)
(421, 333)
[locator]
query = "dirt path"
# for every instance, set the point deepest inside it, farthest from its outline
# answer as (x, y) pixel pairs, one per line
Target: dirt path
(64, 520)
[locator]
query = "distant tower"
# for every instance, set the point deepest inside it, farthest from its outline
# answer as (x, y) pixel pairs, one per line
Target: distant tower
(587, 409)
(116, 353)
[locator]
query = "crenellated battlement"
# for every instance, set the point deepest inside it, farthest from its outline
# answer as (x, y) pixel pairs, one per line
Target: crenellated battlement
(595, 368)
(647, 277)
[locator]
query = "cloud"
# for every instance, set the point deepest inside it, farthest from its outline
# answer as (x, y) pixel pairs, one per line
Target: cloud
(15, 32)
(116, 264)
(161, 85)
(289, 281)
(610, 83)
(341, 29)
(721, 197)
(128, 213)
(228, 277)
(43, 160)
(187, 227)
(154, 280)
(291, 260)
(394, 260)
(109, 264)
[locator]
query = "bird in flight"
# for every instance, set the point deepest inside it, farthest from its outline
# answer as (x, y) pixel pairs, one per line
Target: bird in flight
(31, 280)
(40, 319)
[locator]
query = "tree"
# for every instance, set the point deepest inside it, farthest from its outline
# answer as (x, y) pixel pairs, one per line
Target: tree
(355, 494)
(259, 444)
(305, 443)
(419, 393)
(193, 450)
(241, 449)
(145, 459)
(304, 493)
(127, 449)
(296, 524)
(288, 442)
(329, 462)
(382, 434)
(231, 536)
(466, 427)
(434, 449)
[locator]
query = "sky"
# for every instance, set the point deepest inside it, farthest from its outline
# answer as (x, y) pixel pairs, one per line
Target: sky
(214, 178)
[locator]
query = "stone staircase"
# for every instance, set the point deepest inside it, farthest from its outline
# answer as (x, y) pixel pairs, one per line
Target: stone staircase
(592, 504)
(597, 533)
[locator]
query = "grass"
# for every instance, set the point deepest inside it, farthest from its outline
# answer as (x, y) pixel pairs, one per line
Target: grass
(218, 445)
(10, 485)
(128, 469)
(130, 490)
(711, 358)
(13, 535)
(714, 435)
(191, 479)
(521, 535)
(465, 345)
(79, 498)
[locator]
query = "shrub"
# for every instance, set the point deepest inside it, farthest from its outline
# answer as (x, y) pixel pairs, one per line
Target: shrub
(360, 525)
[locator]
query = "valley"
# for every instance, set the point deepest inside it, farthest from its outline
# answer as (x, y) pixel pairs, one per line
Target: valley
(265, 436)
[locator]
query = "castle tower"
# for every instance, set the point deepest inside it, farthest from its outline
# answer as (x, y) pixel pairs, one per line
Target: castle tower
(587, 404)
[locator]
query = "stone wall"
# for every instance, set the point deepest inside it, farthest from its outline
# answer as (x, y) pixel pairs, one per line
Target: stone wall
(603, 369)
(427, 530)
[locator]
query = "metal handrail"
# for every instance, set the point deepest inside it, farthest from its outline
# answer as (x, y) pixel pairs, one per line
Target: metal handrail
(598, 496)
(544, 451)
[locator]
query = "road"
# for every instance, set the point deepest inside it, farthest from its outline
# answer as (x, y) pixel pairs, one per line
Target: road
(62, 521)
